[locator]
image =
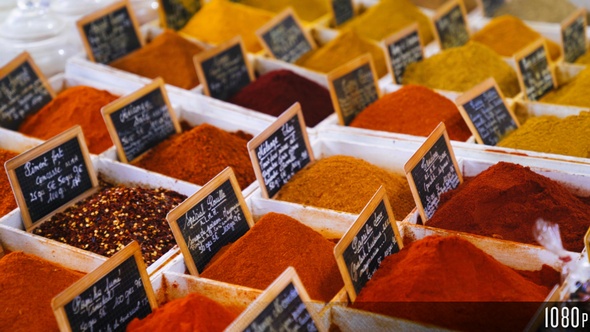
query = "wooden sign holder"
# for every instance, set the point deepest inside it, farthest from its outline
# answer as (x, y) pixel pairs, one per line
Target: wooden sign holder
(442, 11)
(527, 51)
(395, 37)
(18, 61)
(579, 12)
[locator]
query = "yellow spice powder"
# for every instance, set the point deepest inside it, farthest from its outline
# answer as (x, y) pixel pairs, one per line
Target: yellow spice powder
(307, 10)
(574, 93)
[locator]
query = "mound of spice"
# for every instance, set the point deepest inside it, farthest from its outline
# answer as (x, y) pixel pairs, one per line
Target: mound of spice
(110, 219)
(413, 110)
(389, 16)
(350, 182)
(7, 202)
(553, 11)
(274, 243)
(79, 105)
(199, 154)
(168, 56)
(195, 313)
(462, 68)
(435, 4)
(573, 93)
(307, 10)
(341, 50)
(274, 92)
(27, 286)
(477, 288)
(221, 20)
(507, 35)
(568, 136)
(506, 200)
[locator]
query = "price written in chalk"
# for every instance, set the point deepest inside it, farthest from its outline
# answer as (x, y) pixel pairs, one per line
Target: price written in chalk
(535, 76)
(573, 35)
(403, 48)
(451, 25)
(343, 11)
(175, 14)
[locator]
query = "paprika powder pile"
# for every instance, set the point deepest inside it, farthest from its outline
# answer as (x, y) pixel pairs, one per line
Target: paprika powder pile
(506, 200)
(276, 242)
(350, 182)
(449, 282)
(7, 201)
(168, 56)
(274, 92)
(78, 105)
(199, 154)
(413, 110)
(27, 286)
(195, 313)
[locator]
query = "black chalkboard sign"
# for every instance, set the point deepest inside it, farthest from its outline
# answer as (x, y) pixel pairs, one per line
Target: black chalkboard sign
(343, 11)
(110, 33)
(403, 48)
(213, 217)
(535, 77)
(573, 35)
(51, 175)
(486, 113)
(23, 91)
(451, 26)
(280, 151)
(140, 121)
(108, 298)
(224, 71)
(353, 87)
(284, 37)
(367, 242)
(490, 6)
(175, 14)
(432, 171)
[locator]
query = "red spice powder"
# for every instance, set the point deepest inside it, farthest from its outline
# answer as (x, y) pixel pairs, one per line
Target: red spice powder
(7, 201)
(447, 281)
(274, 92)
(505, 201)
(413, 110)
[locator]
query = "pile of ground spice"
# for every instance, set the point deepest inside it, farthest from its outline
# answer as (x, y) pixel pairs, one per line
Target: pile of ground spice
(435, 4)
(506, 200)
(110, 219)
(274, 243)
(199, 154)
(274, 92)
(346, 184)
(307, 10)
(168, 56)
(79, 105)
(448, 282)
(413, 110)
(462, 68)
(193, 313)
(27, 286)
(553, 11)
(573, 93)
(7, 201)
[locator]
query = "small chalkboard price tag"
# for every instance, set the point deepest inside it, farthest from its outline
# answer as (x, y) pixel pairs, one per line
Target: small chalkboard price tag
(108, 298)
(141, 120)
(535, 75)
(343, 11)
(213, 217)
(432, 171)
(401, 49)
(450, 25)
(283, 306)
(484, 110)
(110, 33)
(47, 178)
(280, 151)
(353, 87)
(224, 70)
(175, 14)
(372, 237)
(23, 91)
(490, 6)
(573, 35)
(284, 37)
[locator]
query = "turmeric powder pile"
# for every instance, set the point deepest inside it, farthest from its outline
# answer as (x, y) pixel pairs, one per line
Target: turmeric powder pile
(307, 10)
(553, 11)
(574, 93)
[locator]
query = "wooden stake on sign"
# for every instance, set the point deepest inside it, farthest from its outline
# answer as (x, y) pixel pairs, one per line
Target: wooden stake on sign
(526, 52)
(132, 250)
(255, 310)
(367, 94)
(407, 32)
(444, 10)
(349, 238)
(205, 192)
(571, 21)
(15, 164)
(417, 160)
(293, 111)
(119, 104)
(476, 93)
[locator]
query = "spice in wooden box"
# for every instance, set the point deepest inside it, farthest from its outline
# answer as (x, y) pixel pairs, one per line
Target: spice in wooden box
(169, 56)
(79, 105)
(7, 201)
(573, 93)
(307, 10)
(27, 286)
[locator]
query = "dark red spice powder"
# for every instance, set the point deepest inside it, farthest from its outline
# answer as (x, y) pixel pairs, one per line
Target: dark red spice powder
(7, 201)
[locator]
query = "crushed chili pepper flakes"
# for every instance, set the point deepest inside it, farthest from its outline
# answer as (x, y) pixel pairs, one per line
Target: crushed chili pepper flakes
(107, 221)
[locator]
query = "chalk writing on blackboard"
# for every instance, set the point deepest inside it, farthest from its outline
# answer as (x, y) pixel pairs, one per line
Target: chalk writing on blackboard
(535, 76)
(573, 35)
(343, 11)
(403, 48)
(175, 14)
(451, 25)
